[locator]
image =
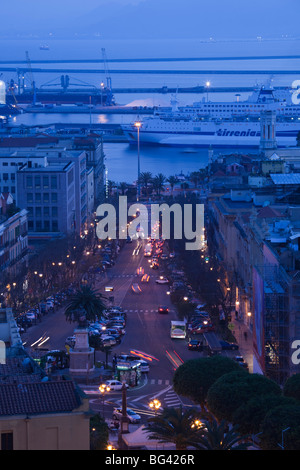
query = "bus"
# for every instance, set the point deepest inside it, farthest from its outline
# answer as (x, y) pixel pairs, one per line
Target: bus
(148, 250)
(178, 329)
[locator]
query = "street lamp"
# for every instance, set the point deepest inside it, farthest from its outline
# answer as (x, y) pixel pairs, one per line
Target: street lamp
(103, 388)
(196, 424)
(207, 85)
(138, 125)
(155, 405)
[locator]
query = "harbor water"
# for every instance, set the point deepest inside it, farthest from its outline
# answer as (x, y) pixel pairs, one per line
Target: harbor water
(121, 159)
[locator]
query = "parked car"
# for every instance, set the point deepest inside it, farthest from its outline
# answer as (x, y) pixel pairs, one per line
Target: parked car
(131, 415)
(108, 340)
(227, 345)
(115, 384)
(195, 345)
(31, 316)
(163, 309)
(202, 328)
(164, 256)
(241, 362)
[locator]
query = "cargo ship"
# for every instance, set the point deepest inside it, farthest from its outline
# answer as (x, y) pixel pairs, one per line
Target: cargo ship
(65, 94)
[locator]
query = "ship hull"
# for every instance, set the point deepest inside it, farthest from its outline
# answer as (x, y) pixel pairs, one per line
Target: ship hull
(222, 135)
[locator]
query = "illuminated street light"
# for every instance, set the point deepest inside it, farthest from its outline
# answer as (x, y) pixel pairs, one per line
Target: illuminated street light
(103, 389)
(207, 85)
(155, 405)
(196, 424)
(138, 125)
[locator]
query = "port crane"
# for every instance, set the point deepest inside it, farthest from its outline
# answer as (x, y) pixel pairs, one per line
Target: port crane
(108, 78)
(31, 78)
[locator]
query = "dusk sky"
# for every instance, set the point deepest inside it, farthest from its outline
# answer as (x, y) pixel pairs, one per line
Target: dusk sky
(153, 18)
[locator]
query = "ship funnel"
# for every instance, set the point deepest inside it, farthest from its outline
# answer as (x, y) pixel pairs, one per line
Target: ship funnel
(174, 103)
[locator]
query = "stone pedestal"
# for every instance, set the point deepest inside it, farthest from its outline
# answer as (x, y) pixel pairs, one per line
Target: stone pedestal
(82, 355)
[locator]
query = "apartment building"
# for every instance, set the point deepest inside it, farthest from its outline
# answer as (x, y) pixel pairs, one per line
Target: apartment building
(13, 235)
(255, 232)
(48, 194)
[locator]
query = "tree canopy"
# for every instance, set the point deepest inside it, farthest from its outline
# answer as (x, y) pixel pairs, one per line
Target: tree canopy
(292, 387)
(194, 378)
(235, 389)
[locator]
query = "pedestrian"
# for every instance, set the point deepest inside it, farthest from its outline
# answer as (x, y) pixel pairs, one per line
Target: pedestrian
(245, 335)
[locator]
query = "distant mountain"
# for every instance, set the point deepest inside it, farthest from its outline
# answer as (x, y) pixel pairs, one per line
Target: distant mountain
(153, 19)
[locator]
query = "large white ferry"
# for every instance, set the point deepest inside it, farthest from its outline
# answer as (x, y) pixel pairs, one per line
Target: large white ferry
(220, 124)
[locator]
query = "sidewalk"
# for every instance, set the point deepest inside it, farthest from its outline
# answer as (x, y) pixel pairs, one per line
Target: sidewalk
(245, 342)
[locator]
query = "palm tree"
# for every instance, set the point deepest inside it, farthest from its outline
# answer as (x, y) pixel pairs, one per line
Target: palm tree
(85, 303)
(158, 183)
(110, 186)
(172, 180)
(217, 436)
(145, 180)
(174, 426)
(123, 186)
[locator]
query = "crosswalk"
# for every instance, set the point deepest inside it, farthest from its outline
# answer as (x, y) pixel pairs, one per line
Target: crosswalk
(168, 399)
(144, 310)
(121, 276)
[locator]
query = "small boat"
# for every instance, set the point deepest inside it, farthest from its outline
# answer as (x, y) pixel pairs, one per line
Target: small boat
(44, 47)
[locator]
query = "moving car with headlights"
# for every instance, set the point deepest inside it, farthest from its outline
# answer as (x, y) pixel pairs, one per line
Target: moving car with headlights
(136, 288)
(195, 345)
(163, 309)
(162, 280)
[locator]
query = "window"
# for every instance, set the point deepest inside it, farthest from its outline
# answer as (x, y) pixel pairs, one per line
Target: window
(54, 197)
(30, 224)
(7, 441)
(38, 225)
(37, 182)
(5, 176)
(29, 197)
(70, 177)
(38, 197)
(38, 212)
(46, 197)
(47, 225)
(13, 177)
(29, 182)
(46, 211)
(5, 164)
(54, 211)
(53, 182)
(45, 182)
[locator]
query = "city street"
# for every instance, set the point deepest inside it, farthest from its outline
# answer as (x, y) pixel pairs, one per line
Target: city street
(146, 329)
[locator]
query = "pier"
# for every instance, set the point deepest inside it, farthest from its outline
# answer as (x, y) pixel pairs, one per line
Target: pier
(149, 71)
